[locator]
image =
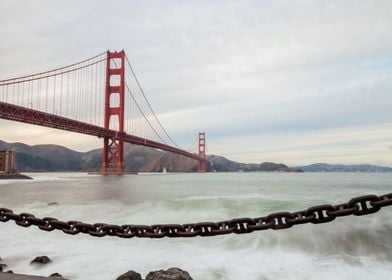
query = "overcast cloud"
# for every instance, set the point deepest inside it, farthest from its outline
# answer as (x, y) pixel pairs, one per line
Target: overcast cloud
(284, 81)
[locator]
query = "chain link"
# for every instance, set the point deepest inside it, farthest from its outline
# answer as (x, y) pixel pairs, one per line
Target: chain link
(358, 206)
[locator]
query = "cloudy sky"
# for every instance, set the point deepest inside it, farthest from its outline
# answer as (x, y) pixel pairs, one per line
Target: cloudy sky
(284, 81)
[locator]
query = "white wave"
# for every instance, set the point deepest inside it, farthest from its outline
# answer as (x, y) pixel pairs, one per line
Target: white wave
(350, 247)
(228, 257)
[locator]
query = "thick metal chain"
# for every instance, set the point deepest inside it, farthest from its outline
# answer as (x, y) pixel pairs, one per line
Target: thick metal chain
(358, 206)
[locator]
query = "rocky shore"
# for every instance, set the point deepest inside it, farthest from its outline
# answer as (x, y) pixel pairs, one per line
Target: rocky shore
(5, 176)
(173, 273)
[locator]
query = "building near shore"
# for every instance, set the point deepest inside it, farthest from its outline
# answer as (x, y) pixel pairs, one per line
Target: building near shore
(7, 161)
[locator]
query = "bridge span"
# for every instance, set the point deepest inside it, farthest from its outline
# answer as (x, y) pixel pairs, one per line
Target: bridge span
(100, 96)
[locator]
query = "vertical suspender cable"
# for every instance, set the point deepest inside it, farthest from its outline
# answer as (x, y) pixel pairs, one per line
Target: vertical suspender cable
(78, 100)
(54, 94)
(39, 94)
(61, 93)
(17, 99)
(23, 95)
(95, 95)
(67, 105)
(91, 99)
(13, 93)
(46, 98)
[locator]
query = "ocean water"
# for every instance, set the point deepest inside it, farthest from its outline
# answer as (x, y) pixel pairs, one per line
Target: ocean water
(348, 248)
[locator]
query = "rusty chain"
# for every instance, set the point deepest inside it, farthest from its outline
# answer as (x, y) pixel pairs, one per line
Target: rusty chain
(358, 206)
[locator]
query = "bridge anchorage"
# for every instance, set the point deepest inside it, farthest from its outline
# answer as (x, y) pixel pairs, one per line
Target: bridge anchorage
(100, 96)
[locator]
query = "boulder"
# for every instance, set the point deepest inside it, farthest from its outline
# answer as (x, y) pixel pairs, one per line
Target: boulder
(130, 275)
(53, 203)
(56, 275)
(2, 266)
(9, 271)
(41, 260)
(173, 273)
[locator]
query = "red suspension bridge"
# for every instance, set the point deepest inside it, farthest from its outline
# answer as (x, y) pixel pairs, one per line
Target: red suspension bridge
(100, 96)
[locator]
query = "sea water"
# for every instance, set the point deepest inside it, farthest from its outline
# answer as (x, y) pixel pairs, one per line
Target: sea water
(347, 248)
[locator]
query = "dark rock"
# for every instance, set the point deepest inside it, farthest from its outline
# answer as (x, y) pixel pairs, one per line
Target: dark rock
(2, 266)
(12, 176)
(53, 203)
(173, 273)
(9, 271)
(130, 275)
(56, 275)
(41, 260)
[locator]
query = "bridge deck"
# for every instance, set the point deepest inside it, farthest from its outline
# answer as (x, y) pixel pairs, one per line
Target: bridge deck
(25, 115)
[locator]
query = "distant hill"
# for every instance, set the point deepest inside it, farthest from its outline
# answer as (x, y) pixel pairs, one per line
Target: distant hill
(324, 167)
(222, 164)
(143, 159)
(137, 158)
(59, 158)
(44, 157)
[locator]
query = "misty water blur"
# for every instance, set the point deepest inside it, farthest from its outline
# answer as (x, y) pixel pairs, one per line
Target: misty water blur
(350, 247)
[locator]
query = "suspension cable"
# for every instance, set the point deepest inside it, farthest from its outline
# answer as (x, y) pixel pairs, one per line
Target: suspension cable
(149, 104)
(53, 70)
(141, 111)
(50, 75)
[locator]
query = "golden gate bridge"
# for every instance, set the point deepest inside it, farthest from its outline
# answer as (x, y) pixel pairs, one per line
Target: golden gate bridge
(100, 96)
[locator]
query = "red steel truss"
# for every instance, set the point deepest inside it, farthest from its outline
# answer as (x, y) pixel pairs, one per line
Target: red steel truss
(21, 114)
(113, 148)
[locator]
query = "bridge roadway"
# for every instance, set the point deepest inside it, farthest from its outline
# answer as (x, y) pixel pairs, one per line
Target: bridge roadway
(25, 115)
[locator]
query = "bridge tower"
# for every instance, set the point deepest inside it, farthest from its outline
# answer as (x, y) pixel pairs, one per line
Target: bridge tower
(113, 148)
(202, 152)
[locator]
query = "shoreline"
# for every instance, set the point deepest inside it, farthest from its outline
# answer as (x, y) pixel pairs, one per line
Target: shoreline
(14, 176)
(15, 276)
